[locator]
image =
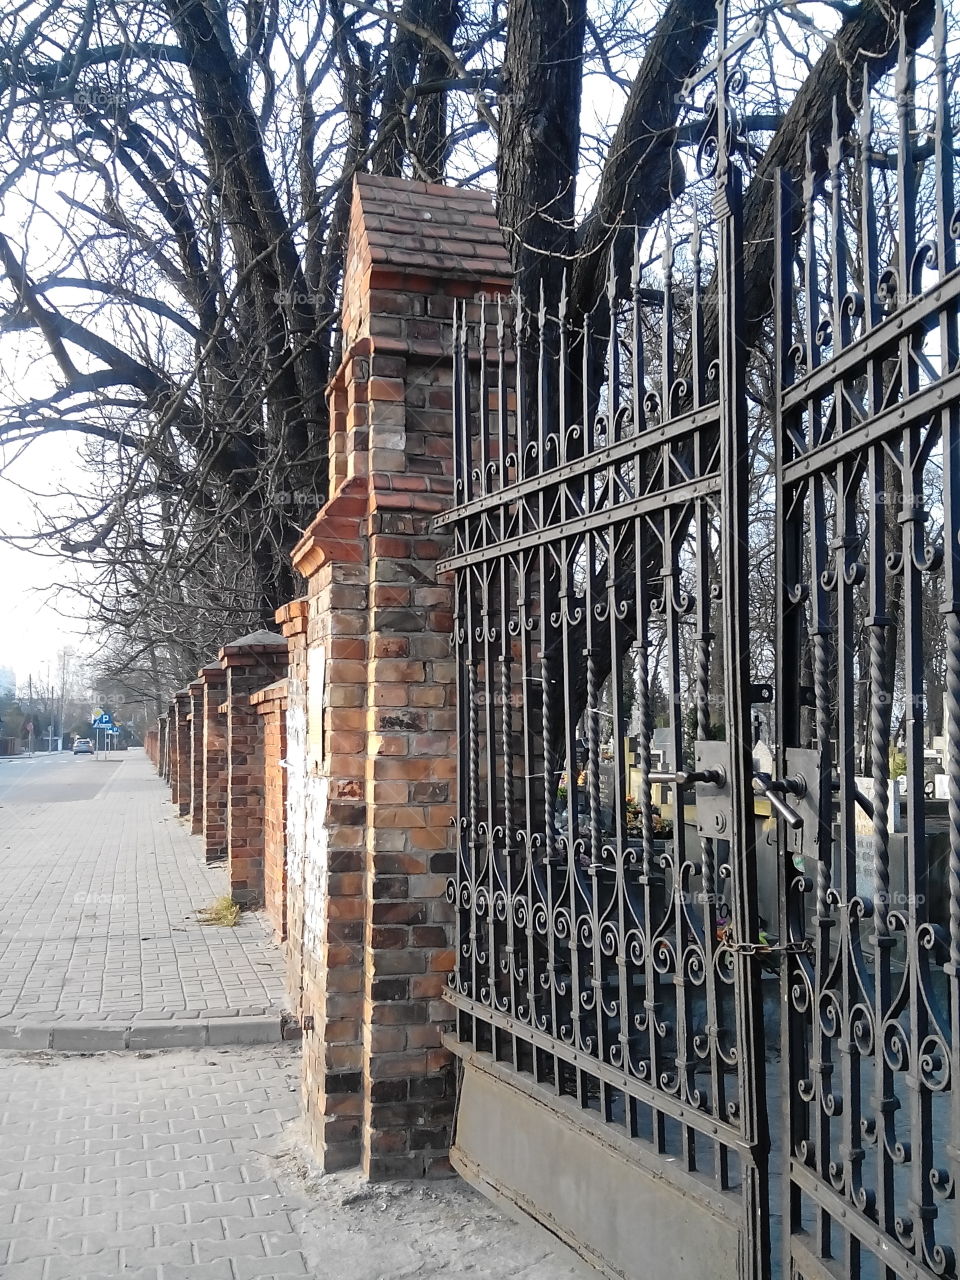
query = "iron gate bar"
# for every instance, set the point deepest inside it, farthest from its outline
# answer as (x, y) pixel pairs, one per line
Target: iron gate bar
(920, 315)
(892, 1254)
(687, 424)
(920, 409)
(622, 513)
(735, 473)
(577, 949)
(870, 1047)
(686, 1115)
(602, 520)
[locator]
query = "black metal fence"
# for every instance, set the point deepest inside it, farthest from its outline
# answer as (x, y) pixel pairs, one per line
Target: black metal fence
(661, 556)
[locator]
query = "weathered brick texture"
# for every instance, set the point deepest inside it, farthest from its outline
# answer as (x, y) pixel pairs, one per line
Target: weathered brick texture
(250, 663)
(195, 689)
(371, 715)
(271, 706)
(169, 745)
(293, 621)
(161, 756)
(180, 780)
(214, 764)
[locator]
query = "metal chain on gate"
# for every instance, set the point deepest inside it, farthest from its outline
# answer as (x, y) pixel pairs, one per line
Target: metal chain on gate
(766, 948)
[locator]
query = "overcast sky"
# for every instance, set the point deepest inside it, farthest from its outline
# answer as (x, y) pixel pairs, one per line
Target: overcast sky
(31, 631)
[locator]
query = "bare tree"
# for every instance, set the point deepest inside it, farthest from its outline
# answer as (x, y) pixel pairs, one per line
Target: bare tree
(176, 180)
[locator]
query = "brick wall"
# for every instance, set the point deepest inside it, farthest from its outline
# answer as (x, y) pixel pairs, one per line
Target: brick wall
(195, 689)
(293, 621)
(271, 706)
(250, 663)
(371, 717)
(169, 745)
(160, 761)
(181, 763)
(214, 764)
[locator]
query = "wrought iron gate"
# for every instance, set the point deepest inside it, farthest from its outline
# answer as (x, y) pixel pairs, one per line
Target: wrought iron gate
(693, 945)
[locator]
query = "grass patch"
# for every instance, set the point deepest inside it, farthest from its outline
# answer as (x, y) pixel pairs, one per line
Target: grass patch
(224, 911)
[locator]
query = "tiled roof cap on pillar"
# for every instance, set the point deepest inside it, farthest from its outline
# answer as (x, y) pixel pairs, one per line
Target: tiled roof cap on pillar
(414, 248)
(420, 226)
(420, 237)
(255, 642)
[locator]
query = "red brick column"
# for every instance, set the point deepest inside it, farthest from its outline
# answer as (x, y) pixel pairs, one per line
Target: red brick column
(271, 706)
(250, 663)
(329, 902)
(380, 720)
(169, 744)
(180, 780)
(214, 764)
(293, 621)
(195, 689)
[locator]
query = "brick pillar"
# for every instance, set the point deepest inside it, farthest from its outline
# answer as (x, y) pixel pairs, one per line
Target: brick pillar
(169, 737)
(380, 720)
(214, 764)
(293, 621)
(181, 759)
(171, 772)
(271, 706)
(195, 689)
(250, 663)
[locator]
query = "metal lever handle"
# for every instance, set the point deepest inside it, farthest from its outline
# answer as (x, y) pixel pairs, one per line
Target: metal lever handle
(765, 786)
(865, 803)
(687, 777)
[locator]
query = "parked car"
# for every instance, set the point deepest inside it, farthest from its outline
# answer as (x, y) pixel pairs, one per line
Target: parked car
(83, 747)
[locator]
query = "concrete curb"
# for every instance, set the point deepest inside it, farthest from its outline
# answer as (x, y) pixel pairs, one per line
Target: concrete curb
(98, 1037)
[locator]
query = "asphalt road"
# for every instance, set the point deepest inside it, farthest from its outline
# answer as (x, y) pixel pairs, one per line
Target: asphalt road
(55, 779)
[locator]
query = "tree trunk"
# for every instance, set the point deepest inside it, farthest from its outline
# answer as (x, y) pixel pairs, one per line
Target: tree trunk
(539, 147)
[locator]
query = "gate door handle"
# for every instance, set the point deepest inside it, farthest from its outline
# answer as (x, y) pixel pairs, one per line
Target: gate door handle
(767, 787)
(687, 777)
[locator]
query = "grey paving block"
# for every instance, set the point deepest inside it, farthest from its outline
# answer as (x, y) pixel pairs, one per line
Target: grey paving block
(166, 1034)
(178, 1232)
(284, 1264)
(218, 1270)
(267, 1224)
(248, 1247)
(260, 1030)
(25, 1036)
(110, 935)
(238, 1208)
(32, 1270)
(170, 1215)
(92, 1037)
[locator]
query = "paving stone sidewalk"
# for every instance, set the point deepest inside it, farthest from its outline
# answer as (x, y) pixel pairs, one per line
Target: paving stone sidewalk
(185, 1166)
(100, 946)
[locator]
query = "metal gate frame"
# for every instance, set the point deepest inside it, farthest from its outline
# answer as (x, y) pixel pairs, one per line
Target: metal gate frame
(869, 392)
(606, 972)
